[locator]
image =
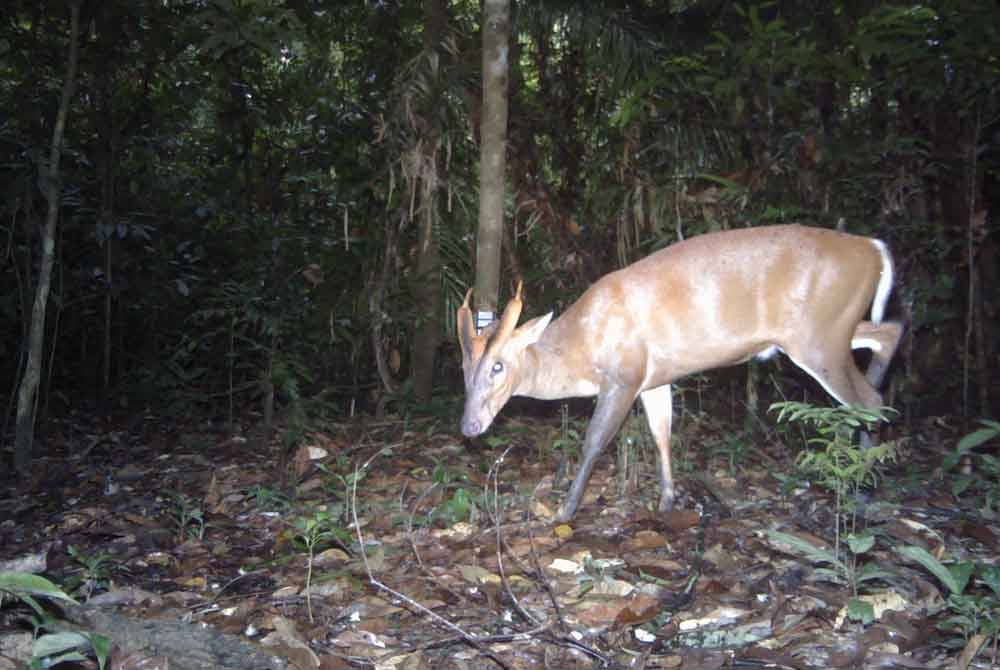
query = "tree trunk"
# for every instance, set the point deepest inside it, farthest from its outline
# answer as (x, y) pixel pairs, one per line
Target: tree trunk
(492, 153)
(427, 337)
(25, 436)
(108, 28)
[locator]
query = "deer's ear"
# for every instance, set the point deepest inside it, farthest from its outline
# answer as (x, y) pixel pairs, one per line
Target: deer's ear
(529, 332)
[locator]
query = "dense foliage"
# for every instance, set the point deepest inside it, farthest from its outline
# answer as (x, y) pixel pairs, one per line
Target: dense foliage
(239, 176)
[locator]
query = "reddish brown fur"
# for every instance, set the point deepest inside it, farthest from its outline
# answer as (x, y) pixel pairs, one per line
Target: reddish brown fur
(707, 302)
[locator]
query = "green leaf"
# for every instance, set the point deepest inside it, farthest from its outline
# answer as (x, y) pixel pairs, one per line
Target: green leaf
(21, 583)
(860, 610)
(976, 438)
(101, 646)
(872, 571)
(58, 643)
(958, 622)
(36, 606)
(961, 572)
(991, 575)
(829, 575)
(859, 544)
(811, 552)
(960, 484)
(954, 578)
(52, 661)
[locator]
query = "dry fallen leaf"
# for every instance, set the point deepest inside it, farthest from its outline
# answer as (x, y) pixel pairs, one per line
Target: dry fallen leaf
(287, 641)
(640, 609)
(563, 531)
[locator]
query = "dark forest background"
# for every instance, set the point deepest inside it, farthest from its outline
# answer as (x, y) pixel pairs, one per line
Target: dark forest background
(241, 183)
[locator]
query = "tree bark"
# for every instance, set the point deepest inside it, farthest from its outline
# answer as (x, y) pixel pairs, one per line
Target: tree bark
(427, 337)
(108, 27)
(492, 152)
(27, 393)
(376, 301)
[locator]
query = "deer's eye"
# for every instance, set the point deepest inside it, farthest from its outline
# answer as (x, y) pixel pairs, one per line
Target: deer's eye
(497, 368)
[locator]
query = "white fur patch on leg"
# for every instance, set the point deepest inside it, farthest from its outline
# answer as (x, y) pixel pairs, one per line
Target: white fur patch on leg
(866, 343)
(884, 283)
(767, 353)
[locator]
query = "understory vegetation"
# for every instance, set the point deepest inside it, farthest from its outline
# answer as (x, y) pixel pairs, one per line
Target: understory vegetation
(254, 221)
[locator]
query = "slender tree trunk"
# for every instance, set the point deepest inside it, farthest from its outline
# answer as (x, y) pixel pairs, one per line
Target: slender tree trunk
(25, 437)
(108, 305)
(376, 302)
(428, 292)
(492, 152)
(427, 337)
(108, 22)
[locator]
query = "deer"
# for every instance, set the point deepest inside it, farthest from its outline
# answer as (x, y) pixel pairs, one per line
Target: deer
(709, 301)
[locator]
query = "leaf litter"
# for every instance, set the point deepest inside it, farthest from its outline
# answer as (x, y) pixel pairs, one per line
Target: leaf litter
(398, 545)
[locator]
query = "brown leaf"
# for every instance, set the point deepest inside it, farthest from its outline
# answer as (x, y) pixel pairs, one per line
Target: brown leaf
(679, 520)
(641, 609)
(288, 642)
(972, 648)
(214, 498)
(980, 533)
(328, 662)
(908, 531)
(313, 274)
(725, 560)
(301, 462)
(645, 539)
(138, 661)
(661, 568)
(601, 614)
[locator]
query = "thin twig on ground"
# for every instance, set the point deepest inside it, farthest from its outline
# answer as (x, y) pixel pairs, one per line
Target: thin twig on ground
(494, 476)
(469, 638)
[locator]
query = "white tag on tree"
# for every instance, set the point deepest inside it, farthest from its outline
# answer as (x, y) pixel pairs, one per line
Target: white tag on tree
(483, 319)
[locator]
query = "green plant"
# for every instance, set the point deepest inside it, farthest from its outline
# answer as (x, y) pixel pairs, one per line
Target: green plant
(187, 516)
(268, 499)
(498, 441)
(567, 443)
(461, 506)
(733, 448)
(312, 532)
(971, 614)
(401, 399)
(94, 572)
(838, 462)
(63, 646)
(569, 436)
(634, 440)
(841, 571)
(985, 480)
(597, 571)
(342, 484)
(790, 482)
(682, 454)
(445, 475)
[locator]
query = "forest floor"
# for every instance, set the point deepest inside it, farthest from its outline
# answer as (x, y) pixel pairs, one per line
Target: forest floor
(398, 544)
